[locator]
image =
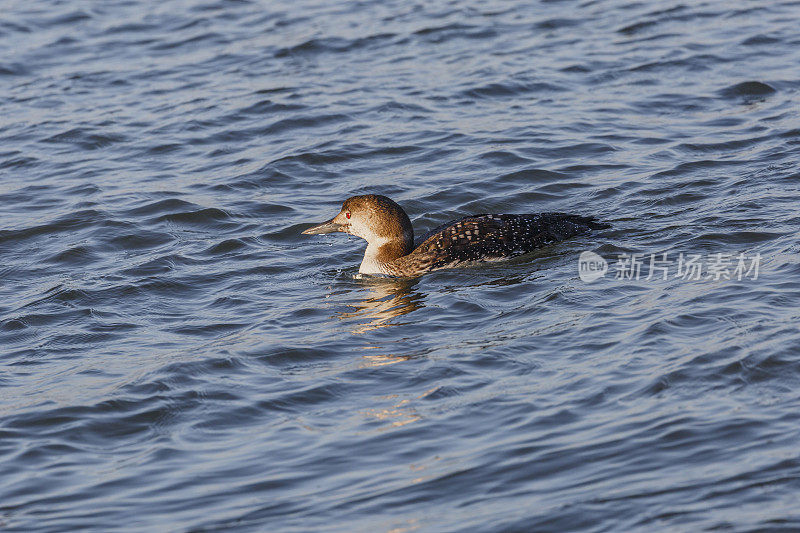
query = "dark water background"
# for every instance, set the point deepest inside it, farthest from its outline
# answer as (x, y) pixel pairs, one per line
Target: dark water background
(175, 356)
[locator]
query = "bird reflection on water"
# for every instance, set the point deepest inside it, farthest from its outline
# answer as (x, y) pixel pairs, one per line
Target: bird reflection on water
(382, 300)
(387, 298)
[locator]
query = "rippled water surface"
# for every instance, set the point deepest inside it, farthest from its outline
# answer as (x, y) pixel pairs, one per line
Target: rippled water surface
(176, 356)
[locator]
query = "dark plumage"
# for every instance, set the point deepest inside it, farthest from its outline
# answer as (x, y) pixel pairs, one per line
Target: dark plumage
(390, 237)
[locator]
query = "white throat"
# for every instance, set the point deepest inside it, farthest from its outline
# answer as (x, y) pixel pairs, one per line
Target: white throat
(370, 263)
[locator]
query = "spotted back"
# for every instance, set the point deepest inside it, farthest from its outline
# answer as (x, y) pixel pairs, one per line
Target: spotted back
(489, 237)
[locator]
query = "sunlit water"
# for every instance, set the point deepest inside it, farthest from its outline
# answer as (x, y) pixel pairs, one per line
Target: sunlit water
(176, 356)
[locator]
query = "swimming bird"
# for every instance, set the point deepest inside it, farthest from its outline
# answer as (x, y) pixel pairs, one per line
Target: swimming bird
(390, 236)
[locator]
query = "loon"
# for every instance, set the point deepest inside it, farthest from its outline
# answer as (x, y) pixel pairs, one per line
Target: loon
(390, 236)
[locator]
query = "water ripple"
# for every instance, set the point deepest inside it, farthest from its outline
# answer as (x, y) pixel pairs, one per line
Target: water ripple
(177, 356)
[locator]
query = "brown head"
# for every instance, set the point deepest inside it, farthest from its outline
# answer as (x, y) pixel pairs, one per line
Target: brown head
(376, 219)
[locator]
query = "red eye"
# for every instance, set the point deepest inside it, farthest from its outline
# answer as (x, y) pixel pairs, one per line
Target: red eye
(347, 214)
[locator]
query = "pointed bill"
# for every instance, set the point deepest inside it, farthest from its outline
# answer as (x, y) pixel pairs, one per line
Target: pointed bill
(326, 227)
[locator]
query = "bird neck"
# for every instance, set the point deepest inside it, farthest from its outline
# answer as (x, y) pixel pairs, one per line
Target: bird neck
(382, 251)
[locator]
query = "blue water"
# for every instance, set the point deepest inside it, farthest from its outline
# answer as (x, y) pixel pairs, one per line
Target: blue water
(176, 356)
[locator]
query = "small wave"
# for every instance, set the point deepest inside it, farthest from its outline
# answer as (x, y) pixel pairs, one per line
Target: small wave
(747, 90)
(74, 256)
(758, 40)
(19, 162)
(142, 239)
(168, 205)
(333, 45)
(226, 247)
(10, 26)
(129, 27)
(504, 158)
(67, 18)
(13, 69)
(303, 122)
(683, 169)
(265, 107)
(403, 107)
(212, 330)
(201, 216)
(501, 90)
(166, 148)
(85, 138)
(68, 223)
(693, 63)
(442, 34)
(210, 37)
(636, 27)
(735, 145)
(558, 23)
(533, 175)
